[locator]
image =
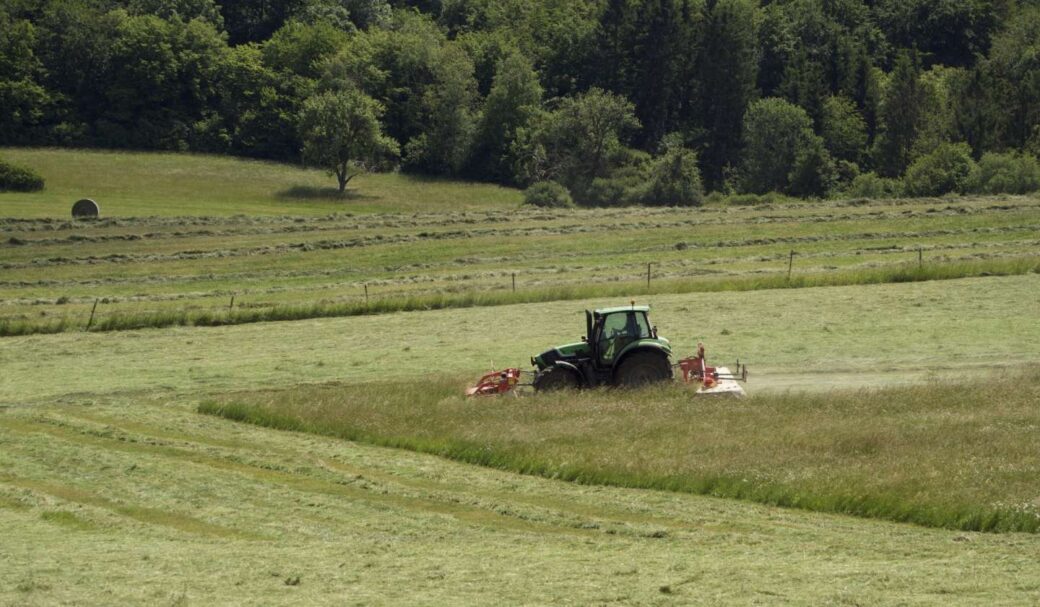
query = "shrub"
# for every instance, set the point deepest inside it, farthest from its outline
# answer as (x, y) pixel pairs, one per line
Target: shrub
(814, 174)
(716, 198)
(19, 179)
(870, 185)
(627, 183)
(674, 178)
(948, 168)
(606, 192)
(548, 194)
(1007, 174)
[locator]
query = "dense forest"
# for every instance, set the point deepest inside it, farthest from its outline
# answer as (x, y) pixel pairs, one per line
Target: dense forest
(616, 101)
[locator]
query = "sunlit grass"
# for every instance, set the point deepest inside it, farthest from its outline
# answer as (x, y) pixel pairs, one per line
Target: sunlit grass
(138, 500)
(114, 490)
(957, 455)
(181, 235)
(852, 335)
(386, 305)
(164, 184)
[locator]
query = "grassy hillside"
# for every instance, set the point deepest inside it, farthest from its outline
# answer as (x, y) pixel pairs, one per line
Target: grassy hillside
(139, 184)
(151, 271)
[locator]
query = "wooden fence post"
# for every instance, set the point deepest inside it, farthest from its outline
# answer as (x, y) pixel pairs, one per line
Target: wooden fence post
(91, 321)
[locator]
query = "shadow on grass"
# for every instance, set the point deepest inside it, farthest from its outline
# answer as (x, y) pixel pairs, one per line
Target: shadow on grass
(306, 192)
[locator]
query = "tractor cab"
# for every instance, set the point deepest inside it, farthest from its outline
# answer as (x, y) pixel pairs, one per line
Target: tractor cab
(610, 331)
(620, 347)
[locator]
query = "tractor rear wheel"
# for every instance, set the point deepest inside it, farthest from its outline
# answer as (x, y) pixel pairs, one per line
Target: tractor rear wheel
(556, 378)
(643, 368)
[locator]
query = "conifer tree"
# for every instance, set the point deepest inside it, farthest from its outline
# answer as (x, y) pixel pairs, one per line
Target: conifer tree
(727, 60)
(900, 117)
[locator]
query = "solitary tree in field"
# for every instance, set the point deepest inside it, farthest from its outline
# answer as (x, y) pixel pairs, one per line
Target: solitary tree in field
(341, 132)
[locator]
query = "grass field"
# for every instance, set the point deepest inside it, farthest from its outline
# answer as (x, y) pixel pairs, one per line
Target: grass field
(114, 489)
(950, 454)
(864, 335)
(141, 500)
(181, 270)
(810, 338)
(153, 184)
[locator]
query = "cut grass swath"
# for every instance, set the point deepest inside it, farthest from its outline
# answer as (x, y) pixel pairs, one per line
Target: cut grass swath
(145, 320)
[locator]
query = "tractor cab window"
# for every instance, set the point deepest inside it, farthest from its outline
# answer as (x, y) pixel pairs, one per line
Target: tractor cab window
(642, 326)
(618, 330)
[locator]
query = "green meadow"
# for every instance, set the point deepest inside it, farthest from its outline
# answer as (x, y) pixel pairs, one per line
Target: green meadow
(949, 453)
(116, 488)
(314, 448)
(139, 499)
(157, 184)
(257, 258)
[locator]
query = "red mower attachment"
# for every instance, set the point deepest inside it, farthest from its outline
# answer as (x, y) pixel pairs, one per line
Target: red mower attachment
(696, 369)
(496, 382)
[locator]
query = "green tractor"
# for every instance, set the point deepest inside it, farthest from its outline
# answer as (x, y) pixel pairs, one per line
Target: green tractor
(620, 348)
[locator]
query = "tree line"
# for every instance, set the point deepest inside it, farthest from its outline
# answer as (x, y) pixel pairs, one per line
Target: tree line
(616, 101)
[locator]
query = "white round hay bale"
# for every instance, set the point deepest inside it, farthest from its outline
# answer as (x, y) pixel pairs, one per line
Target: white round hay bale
(85, 209)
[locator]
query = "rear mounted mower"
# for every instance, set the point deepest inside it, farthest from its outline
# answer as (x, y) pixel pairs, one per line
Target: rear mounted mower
(713, 380)
(620, 348)
(497, 382)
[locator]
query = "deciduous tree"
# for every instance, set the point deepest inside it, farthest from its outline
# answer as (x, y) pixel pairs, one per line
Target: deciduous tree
(341, 133)
(843, 129)
(513, 102)
(781, 151)
(580, 140)
(449, 119)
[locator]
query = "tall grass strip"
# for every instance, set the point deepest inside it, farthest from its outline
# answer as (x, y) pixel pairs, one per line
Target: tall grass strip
(940, 455)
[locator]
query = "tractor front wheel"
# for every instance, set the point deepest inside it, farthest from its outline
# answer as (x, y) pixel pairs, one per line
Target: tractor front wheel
(643, 368)
(556, 378)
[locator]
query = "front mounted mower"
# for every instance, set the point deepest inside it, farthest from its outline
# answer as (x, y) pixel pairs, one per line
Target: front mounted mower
(620, 348)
